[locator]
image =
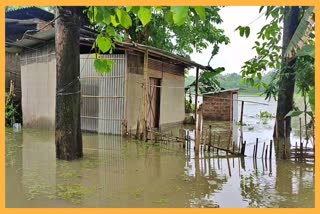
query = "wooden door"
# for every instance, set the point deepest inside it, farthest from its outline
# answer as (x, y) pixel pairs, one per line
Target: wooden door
(153, 104)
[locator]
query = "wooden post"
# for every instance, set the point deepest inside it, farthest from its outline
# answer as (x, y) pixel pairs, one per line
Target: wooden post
(218, 144)
(137, 129)
(145, 131)
(145, 92)
(214, 140)
(233, 146)
(264, 144)
(256, 148)
(209, 145)
(295, 151)
(230, 134)
(270, 152)
(198, 131)
(196, 95)
(300, 130)
(241, 115)
(243, 148)
(254, 152)
(301, 150)
(266, 154)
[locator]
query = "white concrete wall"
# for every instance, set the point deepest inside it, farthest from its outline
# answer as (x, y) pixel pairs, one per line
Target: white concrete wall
(38, 86)
(172, 99)
(134, 99)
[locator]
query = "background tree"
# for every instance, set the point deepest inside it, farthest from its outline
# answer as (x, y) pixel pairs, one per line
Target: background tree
(271, 54)
(177, 29)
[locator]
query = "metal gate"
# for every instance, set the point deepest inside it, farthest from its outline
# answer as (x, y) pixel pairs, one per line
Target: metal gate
(103, 96)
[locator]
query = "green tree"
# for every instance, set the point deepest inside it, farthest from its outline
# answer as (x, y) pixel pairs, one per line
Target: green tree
(179, 30)
(270, 54)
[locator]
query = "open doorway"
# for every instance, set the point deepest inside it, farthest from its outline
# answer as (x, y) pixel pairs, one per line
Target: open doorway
(153, 104)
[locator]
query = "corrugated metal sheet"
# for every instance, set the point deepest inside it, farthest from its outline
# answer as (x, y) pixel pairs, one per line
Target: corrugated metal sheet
(103, 96)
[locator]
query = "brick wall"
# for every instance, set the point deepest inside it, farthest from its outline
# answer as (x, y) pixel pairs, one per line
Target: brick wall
(217, 106)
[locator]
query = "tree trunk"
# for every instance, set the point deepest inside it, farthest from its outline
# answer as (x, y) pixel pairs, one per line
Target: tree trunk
(287, 73)
(68, 135)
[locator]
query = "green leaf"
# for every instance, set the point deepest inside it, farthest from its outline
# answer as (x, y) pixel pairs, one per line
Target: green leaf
(306, 50)
(241, 29)
(104, 43)
(135, 9)
(247, 31)
(128, 8)
(144, 15)
(201, 12)
(111, 31)
(124, 18)
(168, 17)
(103, 65)
(98, 14)
(293, 113)
(310, 113)
(260, 9)
(311, 96)
(179, 14)
(114, 21)
(259, 76)
(301, 34)
(251, 82)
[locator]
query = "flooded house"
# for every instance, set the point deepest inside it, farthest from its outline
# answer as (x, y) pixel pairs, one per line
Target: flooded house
(221, 105)
(145, 84)
(17, 22)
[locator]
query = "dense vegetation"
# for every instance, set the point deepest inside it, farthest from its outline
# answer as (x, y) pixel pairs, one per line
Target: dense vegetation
(234, 80)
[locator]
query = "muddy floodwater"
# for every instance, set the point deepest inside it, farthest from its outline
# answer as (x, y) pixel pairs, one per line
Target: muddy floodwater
(120, 172)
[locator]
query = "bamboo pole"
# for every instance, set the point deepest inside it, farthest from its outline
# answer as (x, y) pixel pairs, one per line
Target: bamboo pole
(243, 148)
(209, 145)
(145, 134)
(255, 155)
(266, 154)
(196, 95)
(241, 114)
(198, 131)
(264, 144)
(295, 151)
(218, 143)
(300, 130)
(270, 151)
(137, 129)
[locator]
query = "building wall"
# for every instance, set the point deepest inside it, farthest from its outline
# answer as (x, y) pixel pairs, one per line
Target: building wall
(13, 72)
(38, 85)
(134, 90)
(218, 106)
(103, 96)
(171, 99)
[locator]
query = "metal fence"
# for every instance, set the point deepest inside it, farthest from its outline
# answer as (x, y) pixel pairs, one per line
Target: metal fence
(103, 96)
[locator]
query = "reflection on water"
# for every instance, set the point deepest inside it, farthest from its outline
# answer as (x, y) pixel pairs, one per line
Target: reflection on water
(118, 172)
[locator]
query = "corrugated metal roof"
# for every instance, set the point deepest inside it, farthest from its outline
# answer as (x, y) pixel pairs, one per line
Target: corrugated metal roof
(39, 37)
(30, 13)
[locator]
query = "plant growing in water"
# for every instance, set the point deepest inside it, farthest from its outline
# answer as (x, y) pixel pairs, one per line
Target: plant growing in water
(10, 110)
